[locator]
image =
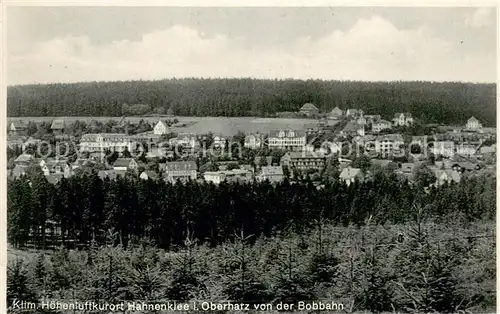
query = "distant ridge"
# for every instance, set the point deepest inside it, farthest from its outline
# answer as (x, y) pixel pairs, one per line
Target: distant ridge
(432, 102)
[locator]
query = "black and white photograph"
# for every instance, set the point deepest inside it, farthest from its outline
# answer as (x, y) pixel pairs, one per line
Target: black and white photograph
(250, 159)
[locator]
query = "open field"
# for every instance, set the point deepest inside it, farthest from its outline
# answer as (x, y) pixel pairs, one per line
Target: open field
(217, 125)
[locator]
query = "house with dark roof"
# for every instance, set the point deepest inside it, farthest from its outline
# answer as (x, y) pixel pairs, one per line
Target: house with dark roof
(57, 126)
(125, 164)
(353, 128)
(303, 160)
(309, 109)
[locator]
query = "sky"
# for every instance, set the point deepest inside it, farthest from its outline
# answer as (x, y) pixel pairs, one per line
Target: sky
(74, 44)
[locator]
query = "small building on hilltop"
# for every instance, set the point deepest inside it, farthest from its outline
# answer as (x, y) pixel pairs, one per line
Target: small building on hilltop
(309, 109)
(335, 114)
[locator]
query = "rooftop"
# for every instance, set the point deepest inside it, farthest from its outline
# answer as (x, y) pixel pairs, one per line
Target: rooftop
(309, 106)
(272, 170)
(122, 162)
(57, 124)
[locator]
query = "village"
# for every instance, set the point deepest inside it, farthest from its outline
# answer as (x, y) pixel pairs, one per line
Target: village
(347, 145)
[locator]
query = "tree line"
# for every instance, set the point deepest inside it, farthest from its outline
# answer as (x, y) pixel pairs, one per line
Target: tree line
(86, 207)
(448, 103)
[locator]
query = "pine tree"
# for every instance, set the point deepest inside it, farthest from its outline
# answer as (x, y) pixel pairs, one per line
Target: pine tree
(185, 282)
(291, 283)
(40, 276)
(18, 283)
(242, 281)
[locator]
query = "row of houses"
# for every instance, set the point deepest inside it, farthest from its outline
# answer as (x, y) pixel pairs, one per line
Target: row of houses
(55, 169)
(18, 127)
(444, 172)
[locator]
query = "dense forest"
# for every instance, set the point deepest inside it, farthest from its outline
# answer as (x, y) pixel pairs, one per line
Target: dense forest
(449, 103)
(86, 207)
(379, 246)
(432, 268)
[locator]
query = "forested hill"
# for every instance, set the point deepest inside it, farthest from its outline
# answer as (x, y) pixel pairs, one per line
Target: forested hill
(449, 103)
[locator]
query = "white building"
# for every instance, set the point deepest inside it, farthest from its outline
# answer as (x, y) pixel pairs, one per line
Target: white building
(98, 142)
(219, 141)
(386, 144)
(179, 170)
(402, 119)
(235, 175)
(356, 113)
(287, 139)
(160, 128)
(473, 124)
(443, 148)
(466, 149)
(381, 125)
(185, 140)
(254, 141)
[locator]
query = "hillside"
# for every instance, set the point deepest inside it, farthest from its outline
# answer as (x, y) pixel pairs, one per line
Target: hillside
(449, 103)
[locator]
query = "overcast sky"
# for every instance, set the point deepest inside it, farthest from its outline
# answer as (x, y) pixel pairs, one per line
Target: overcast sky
(70, 44)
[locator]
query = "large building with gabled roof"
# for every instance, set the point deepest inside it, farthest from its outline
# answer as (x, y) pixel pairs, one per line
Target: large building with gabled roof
(309, 109)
